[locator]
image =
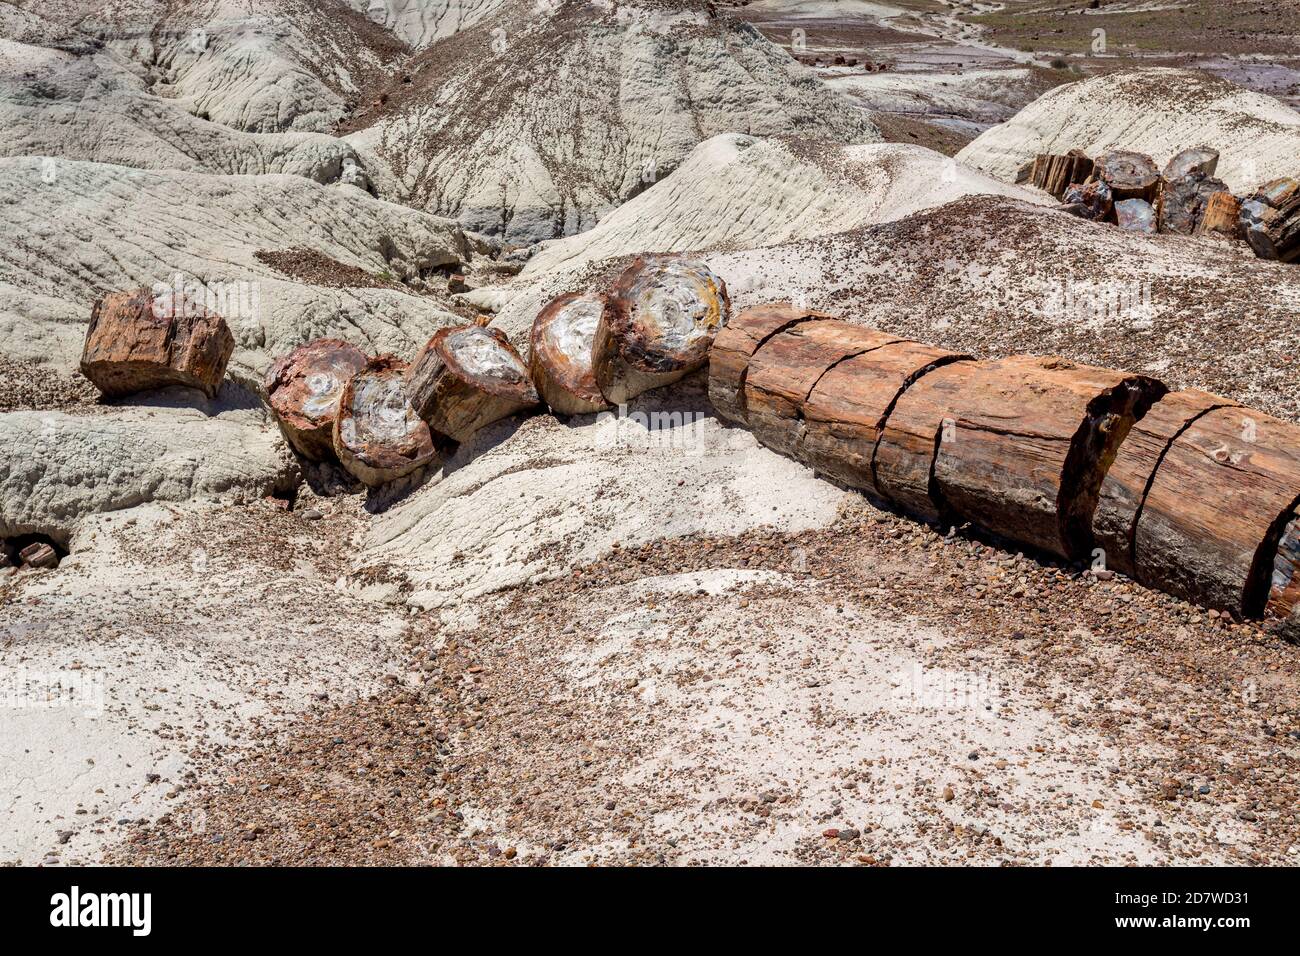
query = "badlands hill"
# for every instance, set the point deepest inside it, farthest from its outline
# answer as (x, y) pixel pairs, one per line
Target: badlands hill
(540, 119)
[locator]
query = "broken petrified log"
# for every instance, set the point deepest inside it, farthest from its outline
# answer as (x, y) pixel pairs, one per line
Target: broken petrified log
(1200, 162)
(467, 377)
(1129, 175)
(1029, 444)
(1120, 501)
(304, 388)
(1222, 216)
(847, 410)
(378, 437)
(658, 326)
(736, 343)
(1271, 218)
(1183, 203)
(1054, 173)
(1215, 511)
(1092, 199)
(39, 555)
(140, 339)
(1283, 608)
(559, 354)
(1136, 215)
(786, 369)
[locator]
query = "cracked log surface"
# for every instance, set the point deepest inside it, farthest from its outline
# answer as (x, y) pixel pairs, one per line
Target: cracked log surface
(559, 353)
(378, 437)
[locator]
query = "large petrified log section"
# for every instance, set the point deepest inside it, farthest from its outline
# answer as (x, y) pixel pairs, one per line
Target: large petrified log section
(559, 353)
(658, 326)
(139, 340)
(784, 372)
(1271, 218)
(1030, 444)
(304, 388)
(1284, 594)
(734, 346)
(1222, 216)
(1215, 511)
(1125, 488)
(467, 377)
(1055, 173)
(378, 436)
(1129, 175)
(846, 412)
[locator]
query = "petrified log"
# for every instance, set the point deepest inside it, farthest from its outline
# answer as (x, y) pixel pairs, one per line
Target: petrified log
(139, 340)
(1201, 162)
(304, 388)
(1129, 175)
(559, 356)
(1119, 503)
(378, 436)
(1284, 594)
(1212, 518)
(848, 408)
(39, 555)
(658, 326)
(1093, 199)
(1271, 218)
(784, 371)
(1054, 173)
(1222, 216)
(736, 343)
(467, 377)
(1183, 203)
(1030, 444)
(1136, 215)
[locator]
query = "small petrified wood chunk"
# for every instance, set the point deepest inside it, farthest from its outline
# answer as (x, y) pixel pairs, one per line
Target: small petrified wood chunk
(1129, 175)
(1211, 520)
(1124, 490)
(1284, 593)
(39, 555)
(1136, 215)
(658, 326)
(1222, 216)
(140, 339)
(784, 371)
(1030, 443)
(467, 377)
(304, 388)
(736, 343)
(1093, 200)
(1201, 162)
(559, 356)
(847, 410)
(378, 437)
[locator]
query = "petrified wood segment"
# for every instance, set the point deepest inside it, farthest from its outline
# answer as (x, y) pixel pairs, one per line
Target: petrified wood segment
(1210, 524)
(304, 388)
(1183, 203)
(736, 343)
(467, 377)
(1129, 175)
(139, 340)
(784, 371)
(559, 353)
(1222, 216)
(1030, 444)
(847, 410)
(378, 437)
(1200, 161)
(1054, 173)
(1119, 503)
(658, 326)
(1271, 218)
(1284, 592)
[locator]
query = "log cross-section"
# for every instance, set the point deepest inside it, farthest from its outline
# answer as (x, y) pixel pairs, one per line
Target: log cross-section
(559, 353)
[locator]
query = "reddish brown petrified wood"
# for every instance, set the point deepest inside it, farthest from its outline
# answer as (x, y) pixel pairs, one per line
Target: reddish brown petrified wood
(304, 388)
(559, 353)
(378, 437)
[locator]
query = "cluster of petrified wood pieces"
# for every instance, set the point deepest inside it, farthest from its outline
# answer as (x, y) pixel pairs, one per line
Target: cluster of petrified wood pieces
(143, 339)
(1184, 491)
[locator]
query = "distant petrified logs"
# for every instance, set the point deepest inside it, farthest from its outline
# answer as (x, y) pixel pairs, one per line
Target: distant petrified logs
(1136, 215)
(1211, 519)
(658, 326)
(847, 410)
(1284, 592)
(559, 356)
(1054, 173)
(736, 343)
(304, 388)
(1183, 203)
(467, 377)
(1093, 200)
(1200, 162)
(1222, 216)
(139, 340)
(783, 373)
(1271, 218)
(378, 437)
(1029, 444)
(1129, 175)
(1120, 501)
